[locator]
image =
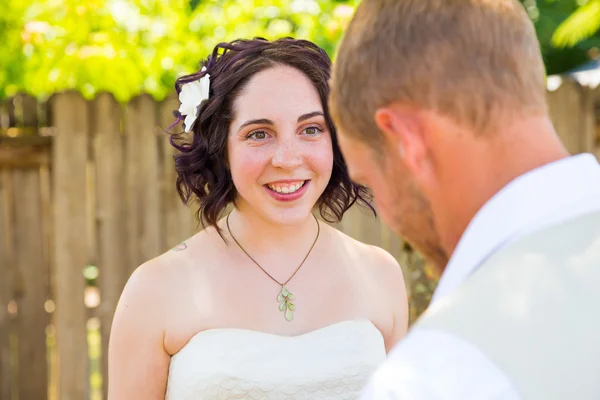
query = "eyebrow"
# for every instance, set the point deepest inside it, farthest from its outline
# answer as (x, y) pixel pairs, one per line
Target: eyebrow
(310, 115)
(261, 121)
(265, 121)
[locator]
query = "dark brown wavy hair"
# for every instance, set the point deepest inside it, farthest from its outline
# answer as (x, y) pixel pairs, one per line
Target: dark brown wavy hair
(201, 165)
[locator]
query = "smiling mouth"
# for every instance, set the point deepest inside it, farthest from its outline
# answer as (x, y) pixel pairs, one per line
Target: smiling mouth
(286, 188)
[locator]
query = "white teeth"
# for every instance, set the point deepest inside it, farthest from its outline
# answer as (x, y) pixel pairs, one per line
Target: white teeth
(286, 189)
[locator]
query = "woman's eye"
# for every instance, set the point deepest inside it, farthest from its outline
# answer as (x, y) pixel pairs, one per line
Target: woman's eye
(312, 130)
(258, 135)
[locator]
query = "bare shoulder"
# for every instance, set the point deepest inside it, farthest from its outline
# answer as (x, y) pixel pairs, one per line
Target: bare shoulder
(144, 314)
(156, 274)
(146, 293)
(154, 285)
(374, 258)
(383, 271)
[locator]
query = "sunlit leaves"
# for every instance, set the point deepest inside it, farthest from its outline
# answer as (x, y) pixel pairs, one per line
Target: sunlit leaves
(131, 46)
(580, 25)
(547, 16)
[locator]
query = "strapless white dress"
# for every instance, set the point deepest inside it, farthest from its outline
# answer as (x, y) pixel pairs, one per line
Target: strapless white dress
(333, 362)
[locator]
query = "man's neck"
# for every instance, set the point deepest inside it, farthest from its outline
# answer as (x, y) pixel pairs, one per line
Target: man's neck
(489, 164)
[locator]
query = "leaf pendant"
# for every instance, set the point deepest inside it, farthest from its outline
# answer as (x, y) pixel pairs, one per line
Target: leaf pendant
(285, 303)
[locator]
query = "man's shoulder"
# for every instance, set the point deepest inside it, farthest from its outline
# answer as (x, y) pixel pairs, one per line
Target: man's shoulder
(432, 350)
(432, 364)
(560, 238)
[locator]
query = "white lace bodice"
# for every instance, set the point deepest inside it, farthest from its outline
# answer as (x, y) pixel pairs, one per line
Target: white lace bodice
(333, 362)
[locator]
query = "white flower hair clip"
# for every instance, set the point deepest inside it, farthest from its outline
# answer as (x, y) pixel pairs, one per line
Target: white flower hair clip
(192, 94)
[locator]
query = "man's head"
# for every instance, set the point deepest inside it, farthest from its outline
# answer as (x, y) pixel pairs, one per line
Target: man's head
(425, 94)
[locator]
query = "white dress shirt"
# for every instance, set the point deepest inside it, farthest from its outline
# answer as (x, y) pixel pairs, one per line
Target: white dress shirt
(431, 364)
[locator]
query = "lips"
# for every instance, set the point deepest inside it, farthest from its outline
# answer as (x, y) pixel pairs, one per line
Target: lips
(287, 191)
(286, 187)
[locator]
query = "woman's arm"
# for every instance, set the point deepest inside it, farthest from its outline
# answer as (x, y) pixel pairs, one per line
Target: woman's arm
(393, 290)
(138, 364)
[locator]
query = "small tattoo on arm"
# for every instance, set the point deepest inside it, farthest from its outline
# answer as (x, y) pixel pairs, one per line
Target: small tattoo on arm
(180, 247)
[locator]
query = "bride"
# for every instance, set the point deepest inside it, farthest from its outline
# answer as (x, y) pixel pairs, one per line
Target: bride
(267, 302)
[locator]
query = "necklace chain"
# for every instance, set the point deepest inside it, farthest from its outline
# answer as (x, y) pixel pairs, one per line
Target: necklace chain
(259, 266)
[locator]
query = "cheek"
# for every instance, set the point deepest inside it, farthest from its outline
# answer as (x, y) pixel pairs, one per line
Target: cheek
(391, 206)
(381, 192)
(320, 158)
(385, 196)
(246, 166)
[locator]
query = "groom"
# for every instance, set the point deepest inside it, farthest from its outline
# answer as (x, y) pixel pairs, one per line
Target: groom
(441, 111)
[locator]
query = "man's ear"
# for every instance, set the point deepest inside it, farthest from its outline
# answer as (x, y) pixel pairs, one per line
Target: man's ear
(403, 134)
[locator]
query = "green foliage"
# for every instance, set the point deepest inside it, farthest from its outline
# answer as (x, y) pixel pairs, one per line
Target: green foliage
(547, 16)
(580, 25)
(11, 57)
(131, 46)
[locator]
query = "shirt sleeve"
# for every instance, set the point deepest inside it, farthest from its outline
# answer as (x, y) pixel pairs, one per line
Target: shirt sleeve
(435, 365)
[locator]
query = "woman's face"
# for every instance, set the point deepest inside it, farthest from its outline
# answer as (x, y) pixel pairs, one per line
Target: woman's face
(279, 147)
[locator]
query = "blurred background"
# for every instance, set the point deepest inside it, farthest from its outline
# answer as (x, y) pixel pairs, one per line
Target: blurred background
(86, 174)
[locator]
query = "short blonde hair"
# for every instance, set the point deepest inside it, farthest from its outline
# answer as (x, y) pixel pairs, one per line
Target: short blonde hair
(474, 60)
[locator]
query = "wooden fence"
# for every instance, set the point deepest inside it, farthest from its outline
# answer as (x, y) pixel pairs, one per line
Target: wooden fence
(87, 194)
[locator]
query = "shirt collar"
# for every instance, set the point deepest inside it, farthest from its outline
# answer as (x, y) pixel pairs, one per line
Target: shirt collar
(519, 206)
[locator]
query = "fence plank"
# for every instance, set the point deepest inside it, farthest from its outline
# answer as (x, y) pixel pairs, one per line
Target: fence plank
(48, 235)
(112, 249)
(168, 193)
(568, 110)
(6, 262)
(32, 285)
(26, 111)
(594, 140)
(351, 224)
(370, 231)
(143, 181)
(7, 114)
(178, 219)
(587, 135)
(70, 153)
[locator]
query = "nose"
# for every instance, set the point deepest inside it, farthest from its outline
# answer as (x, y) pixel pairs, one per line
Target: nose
(287, 154)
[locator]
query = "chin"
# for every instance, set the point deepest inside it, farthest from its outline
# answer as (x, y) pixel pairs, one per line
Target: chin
(289, 216)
